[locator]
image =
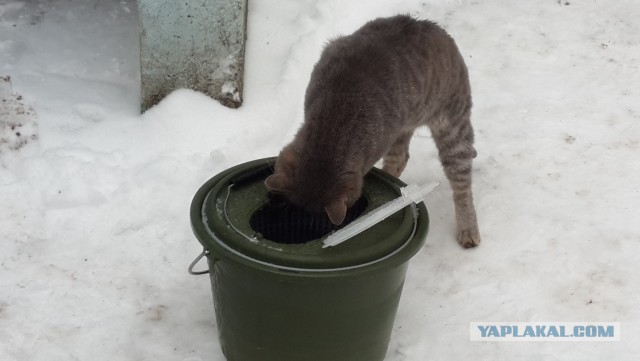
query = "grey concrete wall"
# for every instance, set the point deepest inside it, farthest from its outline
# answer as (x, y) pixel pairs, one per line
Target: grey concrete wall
(195, 44)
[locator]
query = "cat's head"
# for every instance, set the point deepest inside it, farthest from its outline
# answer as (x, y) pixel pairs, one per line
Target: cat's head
(331, 190)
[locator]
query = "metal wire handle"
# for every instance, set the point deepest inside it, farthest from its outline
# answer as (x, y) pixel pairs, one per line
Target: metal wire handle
(205, 252)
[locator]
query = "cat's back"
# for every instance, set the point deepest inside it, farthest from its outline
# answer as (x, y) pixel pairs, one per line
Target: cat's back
(396, 31)
(389, 54)
(385, 41)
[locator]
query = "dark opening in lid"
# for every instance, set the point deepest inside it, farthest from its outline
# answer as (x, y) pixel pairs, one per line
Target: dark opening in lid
(282, 222)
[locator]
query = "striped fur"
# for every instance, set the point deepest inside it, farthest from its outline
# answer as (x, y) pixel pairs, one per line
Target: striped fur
(367, 94)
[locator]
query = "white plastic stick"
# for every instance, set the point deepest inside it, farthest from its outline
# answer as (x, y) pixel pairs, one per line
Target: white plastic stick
(412, 193)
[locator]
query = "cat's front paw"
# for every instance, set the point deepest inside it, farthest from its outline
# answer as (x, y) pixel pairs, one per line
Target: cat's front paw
(469, 238)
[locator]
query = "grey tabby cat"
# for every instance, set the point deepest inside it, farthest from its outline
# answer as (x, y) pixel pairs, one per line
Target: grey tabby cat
(367, 94)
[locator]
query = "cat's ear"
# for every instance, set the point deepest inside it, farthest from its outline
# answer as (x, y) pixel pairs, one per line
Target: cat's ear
(277, 182)
(287, 161)
(347, 191)
(337, 211)
(285, 167)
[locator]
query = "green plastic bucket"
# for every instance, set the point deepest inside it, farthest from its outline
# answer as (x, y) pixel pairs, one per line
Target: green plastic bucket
(278, 295)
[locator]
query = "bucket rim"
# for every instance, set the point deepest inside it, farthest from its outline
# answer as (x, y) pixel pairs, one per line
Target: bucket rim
(219, 250)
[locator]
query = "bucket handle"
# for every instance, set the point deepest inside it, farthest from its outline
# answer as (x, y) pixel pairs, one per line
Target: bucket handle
(205, 252)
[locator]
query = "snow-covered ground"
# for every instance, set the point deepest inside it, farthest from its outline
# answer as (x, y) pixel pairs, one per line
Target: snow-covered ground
(94, 227)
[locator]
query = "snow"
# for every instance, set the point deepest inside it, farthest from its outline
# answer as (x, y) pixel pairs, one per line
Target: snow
(94, 212)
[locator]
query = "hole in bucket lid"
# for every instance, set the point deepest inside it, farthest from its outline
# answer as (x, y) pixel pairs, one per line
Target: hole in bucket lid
(282, 222)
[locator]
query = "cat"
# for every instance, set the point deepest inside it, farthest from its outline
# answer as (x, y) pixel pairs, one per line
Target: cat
(367, 94)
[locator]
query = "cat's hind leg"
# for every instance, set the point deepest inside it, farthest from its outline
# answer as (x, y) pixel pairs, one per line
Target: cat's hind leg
(456, 152)
(395, 161)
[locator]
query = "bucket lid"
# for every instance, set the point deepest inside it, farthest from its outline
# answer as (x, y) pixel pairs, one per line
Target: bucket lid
(235, 217)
